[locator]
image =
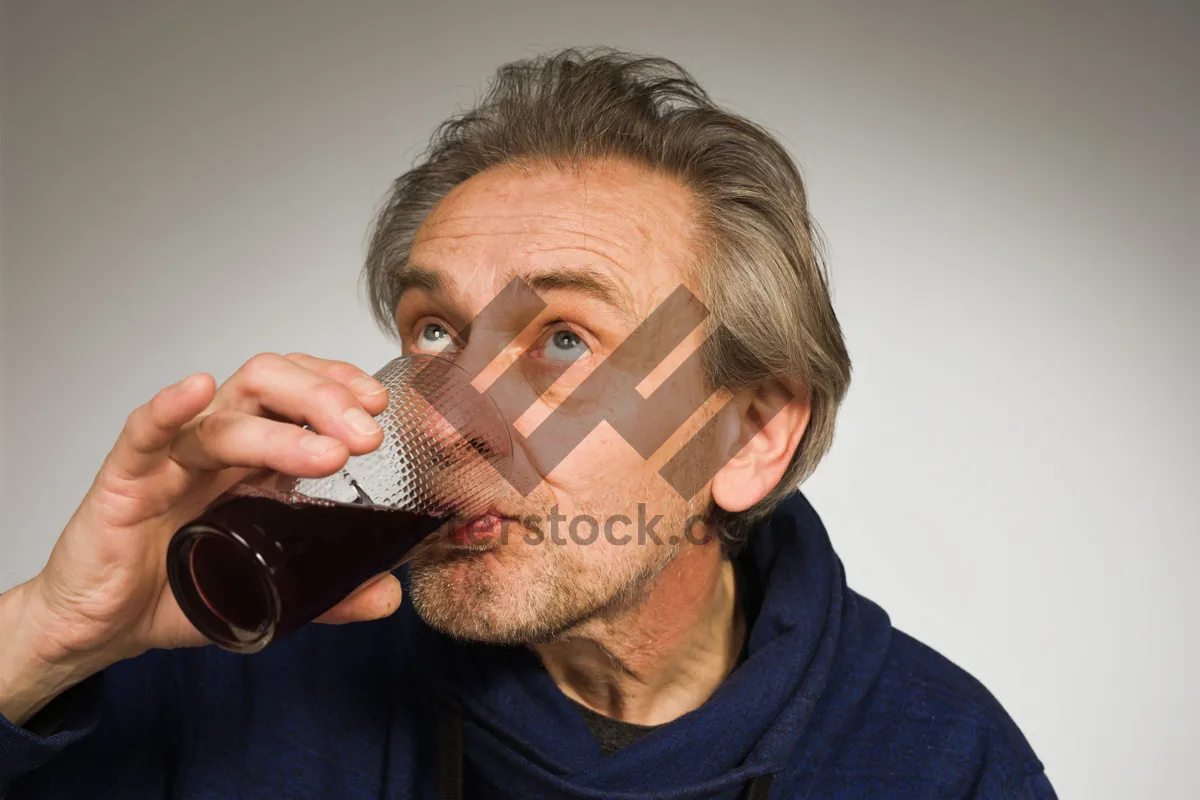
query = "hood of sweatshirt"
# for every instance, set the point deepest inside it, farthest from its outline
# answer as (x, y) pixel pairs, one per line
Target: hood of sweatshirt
(521, 732)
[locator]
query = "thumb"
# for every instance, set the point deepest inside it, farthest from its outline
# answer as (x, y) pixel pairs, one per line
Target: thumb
(376, 599)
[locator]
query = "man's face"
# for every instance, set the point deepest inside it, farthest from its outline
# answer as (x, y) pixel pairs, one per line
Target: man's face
(603, 247)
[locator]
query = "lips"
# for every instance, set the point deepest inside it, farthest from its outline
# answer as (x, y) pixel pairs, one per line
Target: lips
(481, 531)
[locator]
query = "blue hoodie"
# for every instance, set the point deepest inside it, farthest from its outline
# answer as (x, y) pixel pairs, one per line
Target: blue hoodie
(831, 702)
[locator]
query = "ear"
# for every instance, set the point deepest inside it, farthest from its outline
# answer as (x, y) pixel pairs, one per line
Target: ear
(767, 422)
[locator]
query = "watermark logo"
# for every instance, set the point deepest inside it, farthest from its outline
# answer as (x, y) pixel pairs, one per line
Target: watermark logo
(609, 392)
(584, 529)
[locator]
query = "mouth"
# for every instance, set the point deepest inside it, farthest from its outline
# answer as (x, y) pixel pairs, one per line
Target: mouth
(482, 533)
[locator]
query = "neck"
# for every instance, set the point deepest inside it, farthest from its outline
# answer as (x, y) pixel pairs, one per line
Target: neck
(662, 658)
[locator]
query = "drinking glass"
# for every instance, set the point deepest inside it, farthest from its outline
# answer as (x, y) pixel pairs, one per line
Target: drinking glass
(274, 551)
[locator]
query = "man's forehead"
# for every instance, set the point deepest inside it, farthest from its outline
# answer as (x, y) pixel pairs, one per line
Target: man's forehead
(617, 233)
(624, 192)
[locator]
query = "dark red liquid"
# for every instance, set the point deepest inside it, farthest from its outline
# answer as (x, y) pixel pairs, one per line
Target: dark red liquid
(254, 568)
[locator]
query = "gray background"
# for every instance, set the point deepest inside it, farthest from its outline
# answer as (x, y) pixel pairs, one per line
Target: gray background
(1009, 191)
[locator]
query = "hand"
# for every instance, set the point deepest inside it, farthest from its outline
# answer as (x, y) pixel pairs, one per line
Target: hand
(103, 595)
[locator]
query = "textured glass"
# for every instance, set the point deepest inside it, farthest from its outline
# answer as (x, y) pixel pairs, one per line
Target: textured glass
(275, 552)
(444, 446)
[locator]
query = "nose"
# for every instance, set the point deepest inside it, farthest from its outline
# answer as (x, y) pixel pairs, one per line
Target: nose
(489, 352)
(497, 325)
(510, 395)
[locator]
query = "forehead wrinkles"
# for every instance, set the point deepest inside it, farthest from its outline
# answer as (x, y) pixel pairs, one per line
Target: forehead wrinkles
(530, 233)
(641, 224)
(604, 231)
(606, 198)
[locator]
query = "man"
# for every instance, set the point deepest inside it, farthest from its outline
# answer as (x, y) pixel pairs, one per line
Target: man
(709, 649)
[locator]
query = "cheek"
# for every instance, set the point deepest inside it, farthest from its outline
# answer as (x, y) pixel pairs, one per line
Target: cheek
(579, 453)
(601, 469)
(585, 461)
(706, 406)
(605, 477)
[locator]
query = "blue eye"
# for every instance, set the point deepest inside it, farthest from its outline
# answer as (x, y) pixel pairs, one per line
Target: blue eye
(565, 346)
(435, 338)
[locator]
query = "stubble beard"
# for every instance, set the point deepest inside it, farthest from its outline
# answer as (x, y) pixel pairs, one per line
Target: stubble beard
(550, 591)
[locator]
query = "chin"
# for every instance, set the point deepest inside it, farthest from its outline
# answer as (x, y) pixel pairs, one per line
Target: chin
(463, 598)
(463, 595)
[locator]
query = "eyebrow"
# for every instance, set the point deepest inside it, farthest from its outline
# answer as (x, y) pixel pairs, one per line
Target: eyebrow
(586, 281)
(411, 276)
(573, 279)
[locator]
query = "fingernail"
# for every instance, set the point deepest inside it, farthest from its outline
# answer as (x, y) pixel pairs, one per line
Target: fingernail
(366, 385)
(318, 445)
(360, 421)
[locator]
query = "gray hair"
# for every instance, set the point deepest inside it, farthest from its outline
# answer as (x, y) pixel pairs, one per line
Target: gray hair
(761, 276)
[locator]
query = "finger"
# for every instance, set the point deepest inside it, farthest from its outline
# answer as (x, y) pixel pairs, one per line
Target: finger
(371, 393)
(377, 599)
(280, 386)
(233, 439)
(145, 441)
